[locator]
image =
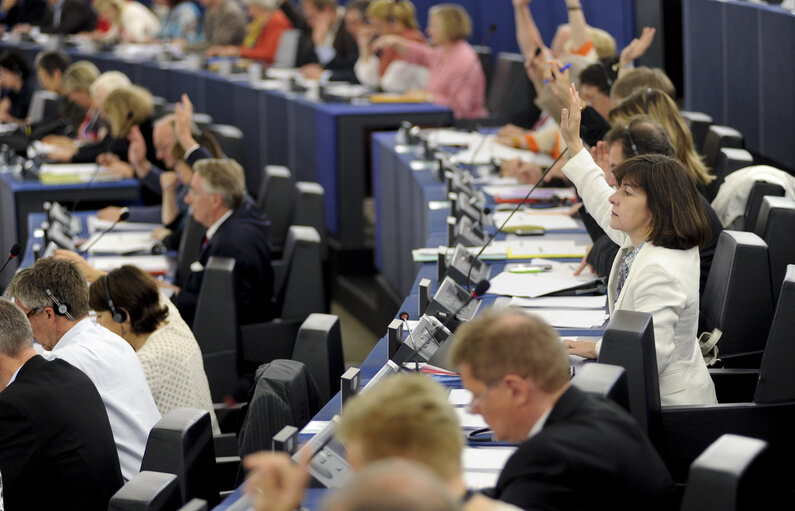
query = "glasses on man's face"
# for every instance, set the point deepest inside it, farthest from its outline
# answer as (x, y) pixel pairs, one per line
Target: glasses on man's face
(32, 311)
(477, 400)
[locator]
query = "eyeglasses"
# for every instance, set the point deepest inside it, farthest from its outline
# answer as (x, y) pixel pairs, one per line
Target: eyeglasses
(476, 400)
(32, 311)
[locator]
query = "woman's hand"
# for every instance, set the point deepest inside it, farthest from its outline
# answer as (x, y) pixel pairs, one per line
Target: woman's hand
(136, 152)
(601, 155)
(637, 48)
(584, 263)
(570, 122)
(183, 119)
(585, 349)
(168, 181)
(275, 482)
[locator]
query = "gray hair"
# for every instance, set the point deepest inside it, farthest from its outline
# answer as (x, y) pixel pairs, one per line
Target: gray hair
(224, 177)
(61, 277)
(15, 331)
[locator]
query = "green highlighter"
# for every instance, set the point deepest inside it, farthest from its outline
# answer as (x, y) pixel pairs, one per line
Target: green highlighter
(525, 230)
(530, 268)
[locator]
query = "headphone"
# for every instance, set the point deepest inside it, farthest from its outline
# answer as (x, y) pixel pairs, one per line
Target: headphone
(118, 315)
(648, 94)
(60, 308)
(632, 142)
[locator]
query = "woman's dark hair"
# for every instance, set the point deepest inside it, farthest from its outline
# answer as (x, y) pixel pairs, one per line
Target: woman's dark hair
(677, 216)
(641, 136)
(16, 63)
(133, 290)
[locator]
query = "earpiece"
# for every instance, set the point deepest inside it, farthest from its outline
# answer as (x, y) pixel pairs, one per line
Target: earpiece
(60, 308)
(118, 315)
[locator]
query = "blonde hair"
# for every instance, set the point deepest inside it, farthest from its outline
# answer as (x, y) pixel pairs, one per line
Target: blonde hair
(408, 416)
(224, 177)
(126, 107)
(603, 42)
(642, 78)
(79, 76)
(498, 343)
(107, 82)
(401, 11)
(454, 21)
(661, 108)
(105, 5)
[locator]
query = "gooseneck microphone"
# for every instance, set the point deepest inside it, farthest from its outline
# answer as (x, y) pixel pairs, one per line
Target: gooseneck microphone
(404, 316)
(499, 230)
(15, 250)
(480, 289)
(124, 214)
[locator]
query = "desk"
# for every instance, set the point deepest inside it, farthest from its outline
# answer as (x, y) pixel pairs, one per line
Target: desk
(18, 198)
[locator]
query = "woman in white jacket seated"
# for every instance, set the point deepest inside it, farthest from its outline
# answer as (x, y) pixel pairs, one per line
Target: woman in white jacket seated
(656, 217)
(387, 69)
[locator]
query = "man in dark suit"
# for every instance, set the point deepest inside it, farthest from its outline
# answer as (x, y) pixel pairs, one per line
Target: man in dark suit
(329, 47)
(577, 451)
(69, 17)
(236, 228)
(56, 446)
(17, 12)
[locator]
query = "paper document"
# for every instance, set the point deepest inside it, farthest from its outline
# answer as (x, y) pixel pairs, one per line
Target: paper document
(485, 458)
(482, 149)
(152, 264)
(476, 480)
(545, 249)
(448, 137)
(548, 222)
(570, 318)
(121, 243)
(95, 224)
(534, 285)
(470, 421)
(518, 192)
(460, 397)
(314, 427)
(69, 173)
(561, 302)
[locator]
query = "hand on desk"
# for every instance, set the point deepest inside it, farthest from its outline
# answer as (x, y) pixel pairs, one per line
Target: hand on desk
(62, 154)
(59, 141)
(585, 349)
(275, 482)
(89, 272)
(311, 71)
(584, 263)
(168, 285)
(109, 213)
(524, 172)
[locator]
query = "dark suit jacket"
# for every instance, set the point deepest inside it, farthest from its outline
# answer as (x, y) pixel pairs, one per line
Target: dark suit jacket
(245, 237)
(56, 446)
(31, 12)
(76, 16)
(342, 64)
(590, 455)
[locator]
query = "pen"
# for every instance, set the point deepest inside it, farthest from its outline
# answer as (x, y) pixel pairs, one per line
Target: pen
(529, 269)
(563, 69)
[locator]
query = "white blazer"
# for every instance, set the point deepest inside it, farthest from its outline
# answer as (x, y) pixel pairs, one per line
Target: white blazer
(662, 282)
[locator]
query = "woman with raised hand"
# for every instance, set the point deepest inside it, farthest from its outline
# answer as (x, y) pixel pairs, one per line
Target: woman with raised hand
(656, 217)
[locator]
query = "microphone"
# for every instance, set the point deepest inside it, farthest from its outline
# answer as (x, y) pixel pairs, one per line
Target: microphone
(404, 316)
(79, 196)
(480, 289)
(15, 250)
(499, 230)
(123, 215)
(470, 68)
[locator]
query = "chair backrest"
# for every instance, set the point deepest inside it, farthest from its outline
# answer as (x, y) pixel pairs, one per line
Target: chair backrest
(775, 225)
(319, 346)
(188, 251)
(159, 107)
(699, 123)
(486, 56)
(148, 491)
(628, 342)
(287, 49)
(776, 382)
(723, 476)
(230, 138)
(717, 137)
(738, 298)
(202, 121)
(215, 326)
(729, 159)
(511, 94)
(308, 208)
(274, 200)
(284, 394)
(298, 285)
(604, 380)
(44, 105)
(181, 443)
(759, 191)
(194, 505)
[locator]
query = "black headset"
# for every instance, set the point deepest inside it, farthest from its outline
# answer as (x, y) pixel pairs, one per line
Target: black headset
(118, 315)
(60, 308)
(648, 95)
(632, 144)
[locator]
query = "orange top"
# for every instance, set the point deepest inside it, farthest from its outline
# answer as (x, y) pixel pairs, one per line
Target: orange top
(268, 40)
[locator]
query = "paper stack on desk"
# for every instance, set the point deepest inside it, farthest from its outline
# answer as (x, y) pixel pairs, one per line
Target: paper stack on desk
(557, 222)
(151, 264)
(534, 285)
(70, 173)
(121, 243)
(95, 224)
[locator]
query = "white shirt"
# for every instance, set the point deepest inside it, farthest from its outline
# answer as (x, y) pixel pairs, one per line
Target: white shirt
(539, 425)
(13, 376)
(117, 374)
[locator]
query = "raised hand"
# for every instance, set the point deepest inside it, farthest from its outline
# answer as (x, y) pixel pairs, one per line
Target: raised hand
(637, 48)
(570, 122)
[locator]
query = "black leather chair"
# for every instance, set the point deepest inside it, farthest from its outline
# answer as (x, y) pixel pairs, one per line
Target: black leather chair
(729, 159)
(274, 200)
(604, 380)
(230, 138)
(738, 298)
(319, 346)
(181, 443)
(486, 57)
(308, 209)
(759, 191)
(189, 243)
(699, 123)
(717, 137)
(732, 474)
(511, 93)
(148, 491)
(775, 225)
(44, 105)
(628, 342)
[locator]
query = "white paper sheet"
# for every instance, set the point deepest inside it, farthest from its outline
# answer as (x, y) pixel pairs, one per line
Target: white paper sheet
(460, 397)
(570, 318)
(534, 285)
(548, 222)
(448, 137)
(314, 427)
(561, 302)
(518, 192)
(470, 421)
(154, 264)
(121, 243)
(482, 151)
(477, 480)
(485, 458)
(95, 224)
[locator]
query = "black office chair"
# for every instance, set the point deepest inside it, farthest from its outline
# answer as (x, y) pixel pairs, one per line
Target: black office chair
(775, 226)
(759, 191)
(718, 137)
(486, 56)
(148, 491)
(738, 298)
(732, 474)
(181, 443)
(604, 380)
(189, 242)
(202, 121)
(44, 105)
(699, 123)
(274, 200)
(298, 292)
(511, 93)
(287, 49)
(628, 342)
(319, 346)
(308, 209)
(729, 159)
(159, 107)
(688, 430)
(230, 138)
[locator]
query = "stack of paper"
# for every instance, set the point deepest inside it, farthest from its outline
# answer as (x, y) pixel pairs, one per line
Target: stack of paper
(121, 243)
(152, 264)
(548, 222)
(95, 224)
(68, 173)
(535, 284)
